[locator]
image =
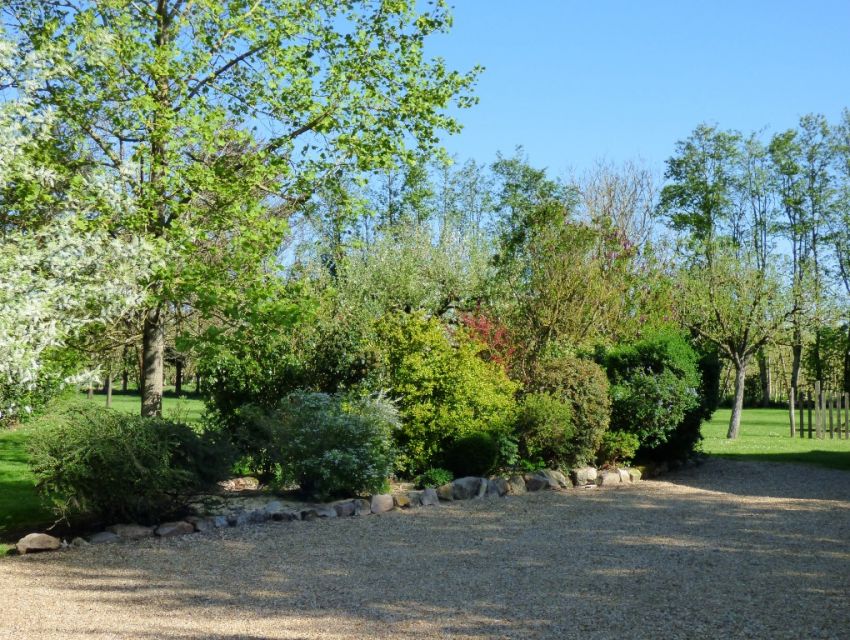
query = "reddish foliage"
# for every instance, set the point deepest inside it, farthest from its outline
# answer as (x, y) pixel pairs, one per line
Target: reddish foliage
(494, 335)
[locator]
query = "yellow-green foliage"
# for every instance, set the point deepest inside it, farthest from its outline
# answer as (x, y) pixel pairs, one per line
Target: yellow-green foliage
(443, 388)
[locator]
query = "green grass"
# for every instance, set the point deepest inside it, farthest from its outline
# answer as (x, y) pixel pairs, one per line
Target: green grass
(21, 507)
(765, 435)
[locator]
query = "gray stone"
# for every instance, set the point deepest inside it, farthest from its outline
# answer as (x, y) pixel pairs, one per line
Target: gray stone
(535, 482)
(309, 514)
(624, 475)
(415, 498)
(608, 479)
(289, 515)
(362, 507)
(238, 519)
(497, 487)
(557, 480)
(171, 529)
(256, 516)
(429, 498)
(345, 509)
(326, 511)
(36, 542)
(516, 485)
(273, 508)
(104, 537)
(401, 501)
(583, 475)
(634, 474)
(446, 491)
(382, 502)
(202, 525)
(79, 542)
(130, 531)
(468, 487)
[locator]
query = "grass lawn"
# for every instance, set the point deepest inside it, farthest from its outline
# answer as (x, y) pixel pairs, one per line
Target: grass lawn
(765, 436)
(21, 508)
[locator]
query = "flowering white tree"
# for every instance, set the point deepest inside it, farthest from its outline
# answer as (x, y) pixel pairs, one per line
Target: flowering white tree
(59, 279)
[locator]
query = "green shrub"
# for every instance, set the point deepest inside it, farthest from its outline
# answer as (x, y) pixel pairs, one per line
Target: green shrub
(443, 388)
(331, 444)
(95, 462)
(476, 454)
(617, 447)
(434, 477)
(583, 386)
(545, 430)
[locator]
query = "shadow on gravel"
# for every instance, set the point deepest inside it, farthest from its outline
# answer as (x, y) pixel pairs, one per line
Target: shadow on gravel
(654, 560)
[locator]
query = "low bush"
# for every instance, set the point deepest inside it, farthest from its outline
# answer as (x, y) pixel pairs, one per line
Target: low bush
(474, 455)
(583, 386)
(98, 463)
(618, 447)
(434, 477)
(545, 430)
(331, 444)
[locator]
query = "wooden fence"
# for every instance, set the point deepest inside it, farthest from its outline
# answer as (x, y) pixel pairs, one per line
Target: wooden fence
(820, 412)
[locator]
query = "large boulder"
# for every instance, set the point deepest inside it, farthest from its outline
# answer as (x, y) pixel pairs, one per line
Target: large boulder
(624, 475)
(171, 529)
(402, 501)
(496, 488)
(429, 498)
(634, 474)
(382, 502)
(37, 542)
(104, 537)
(130, 531)
(446, 491)
(362, 507)
(516, 486)
(556, 479)
(469, 487)
(583, 475)
(536, 482)
(345, 509)
(203, 524)
(608, 479)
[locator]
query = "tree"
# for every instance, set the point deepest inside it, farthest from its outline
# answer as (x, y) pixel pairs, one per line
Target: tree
(220, 118)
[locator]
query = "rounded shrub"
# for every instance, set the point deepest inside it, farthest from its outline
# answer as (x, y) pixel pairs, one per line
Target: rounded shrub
(434, 477)
(544, 429)
(98, 463)
(618, 447)
(476, 454)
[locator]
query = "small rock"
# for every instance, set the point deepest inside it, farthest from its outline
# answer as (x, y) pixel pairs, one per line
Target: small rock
(624, 475)
(104, 537)
(429, 498)
(345, 509)
(446, 491)
(130, 531)
(497, 487)
(79, 542)
(534, 482)
(362, 507)
(516, 485)
(382, 503)
(36, 542)
(634, 474)
(608, 478)
(401, 501)
(468, 487)
(583, 475)
(170, 529)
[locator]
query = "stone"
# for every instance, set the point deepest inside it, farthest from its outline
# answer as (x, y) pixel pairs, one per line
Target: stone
(345, 509)
(104, 537)
(79, 542)
(429, 498)
(309, 514)
(36, 542)
(446, 491)
(468, 487)
(240, 484)
(171, 529)
(516, 486)
(289, 515)
(130, 531)
(273, 508)
(256, 516)
(535, 482)
(557, 480)
(497, 487)
(362, 507)
(202, 525)
(608, 479)
(382, 502)
(238, 519)
(583, 475)
(634, 474)
(624, 475)
(415, 498)
(401, 501)
(326, 511)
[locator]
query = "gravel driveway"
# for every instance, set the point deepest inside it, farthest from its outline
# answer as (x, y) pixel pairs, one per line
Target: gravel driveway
(724, 550)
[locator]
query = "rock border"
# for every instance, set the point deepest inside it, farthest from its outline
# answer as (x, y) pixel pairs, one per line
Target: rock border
(467, 488)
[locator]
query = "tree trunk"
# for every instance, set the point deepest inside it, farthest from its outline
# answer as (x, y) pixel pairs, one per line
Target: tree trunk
(764, 378)
(846, 380)
(178, 376)
(796, 360)
(153, 347)
(109, 389)
(738, 402)
(125, 379)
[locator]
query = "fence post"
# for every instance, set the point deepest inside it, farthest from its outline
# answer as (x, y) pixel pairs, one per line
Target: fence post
(831, 402)
(791, 410)
(810, 404)
(818, 409)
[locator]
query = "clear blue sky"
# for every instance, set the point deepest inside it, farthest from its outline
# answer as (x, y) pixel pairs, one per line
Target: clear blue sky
(575, 81)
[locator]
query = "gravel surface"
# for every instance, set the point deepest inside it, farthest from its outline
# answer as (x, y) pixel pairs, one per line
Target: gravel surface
(724, 550)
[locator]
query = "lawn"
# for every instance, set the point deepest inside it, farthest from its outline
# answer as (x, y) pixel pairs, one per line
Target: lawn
(21, 508)
(765, 436)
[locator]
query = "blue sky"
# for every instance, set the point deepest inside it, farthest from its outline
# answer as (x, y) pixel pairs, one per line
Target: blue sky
(577, 81)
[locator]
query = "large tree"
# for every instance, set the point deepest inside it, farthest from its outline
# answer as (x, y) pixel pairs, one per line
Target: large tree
(222, 117)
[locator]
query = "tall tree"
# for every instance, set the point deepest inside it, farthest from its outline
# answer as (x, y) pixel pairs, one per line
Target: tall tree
(221, 117)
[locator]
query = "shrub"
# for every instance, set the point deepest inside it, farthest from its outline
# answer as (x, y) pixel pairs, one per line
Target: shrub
(443, 388)
(331, 444)
(618, 446)
(545, 430)
(476, 454)
(434, 477)
(655, 384)
(583, 386)
(96, 462)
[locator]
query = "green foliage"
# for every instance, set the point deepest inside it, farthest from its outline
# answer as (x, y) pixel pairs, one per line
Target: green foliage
(443, 388)
(476, 454)
(332, 445)
(544, 429)
(94, 462)
(434, 477)
(617, 447)
(582, 385)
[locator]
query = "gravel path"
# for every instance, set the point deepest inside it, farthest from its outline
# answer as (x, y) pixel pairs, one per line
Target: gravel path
(724, 550)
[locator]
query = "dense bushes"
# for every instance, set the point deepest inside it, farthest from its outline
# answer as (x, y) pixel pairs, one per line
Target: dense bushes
(618, 447)
(100, 463)
(331, 445)
(544, 430)
(476, 454)
(444, 390)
